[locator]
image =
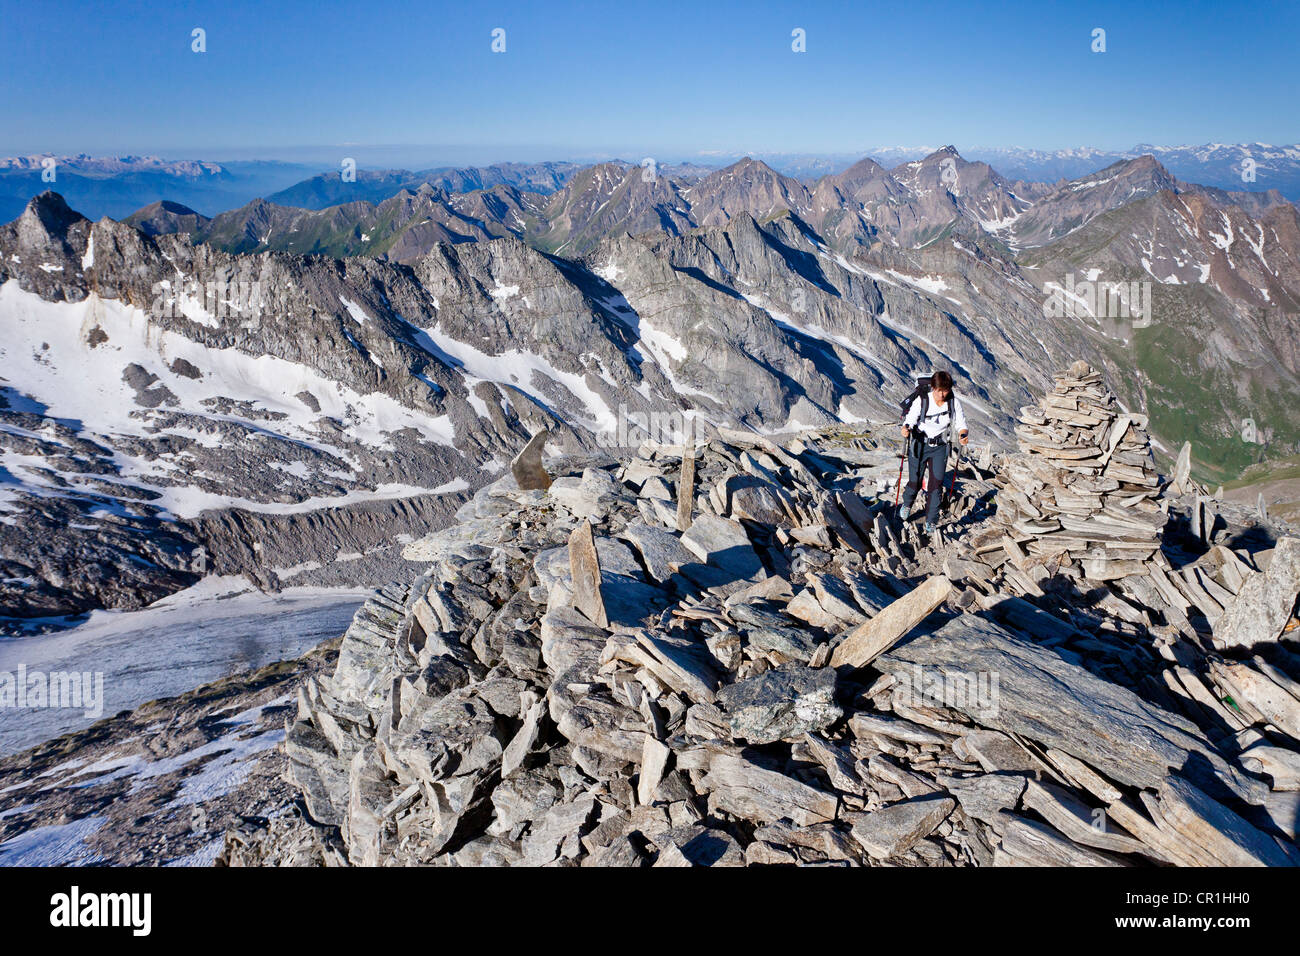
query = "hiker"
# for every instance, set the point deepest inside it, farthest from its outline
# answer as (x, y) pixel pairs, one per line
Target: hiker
(933, 416)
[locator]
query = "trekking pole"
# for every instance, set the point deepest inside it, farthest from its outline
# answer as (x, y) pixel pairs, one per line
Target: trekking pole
(929, 487)
(902, 457)
(953, 480)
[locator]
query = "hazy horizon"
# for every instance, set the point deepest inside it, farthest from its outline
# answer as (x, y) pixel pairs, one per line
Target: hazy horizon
(416, 157)
(677, 80)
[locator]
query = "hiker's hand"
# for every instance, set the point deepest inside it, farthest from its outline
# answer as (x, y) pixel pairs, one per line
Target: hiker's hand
(906, 430)
(964, 438)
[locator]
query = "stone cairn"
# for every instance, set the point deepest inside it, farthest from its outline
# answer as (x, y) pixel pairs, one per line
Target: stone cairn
(1081, 495)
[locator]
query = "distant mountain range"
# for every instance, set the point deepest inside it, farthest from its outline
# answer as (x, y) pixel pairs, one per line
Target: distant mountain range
(330, 189)
(911, 205)
(1216, 164)
(118, 186)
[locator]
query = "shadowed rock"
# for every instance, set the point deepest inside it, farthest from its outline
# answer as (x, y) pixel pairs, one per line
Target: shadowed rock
(527, 466)
(584, 568)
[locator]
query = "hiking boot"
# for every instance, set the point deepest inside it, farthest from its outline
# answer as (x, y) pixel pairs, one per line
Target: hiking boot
(929, 528)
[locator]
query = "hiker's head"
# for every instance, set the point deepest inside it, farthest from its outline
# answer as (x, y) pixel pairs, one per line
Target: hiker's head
(941, 385)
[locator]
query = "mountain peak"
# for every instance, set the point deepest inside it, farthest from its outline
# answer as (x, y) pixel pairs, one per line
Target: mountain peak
(749, 164)
(52, 210)
(1146, 166)
(165, 216)
(176, 208)
(49, 215)
(942, 153)
(864, 169)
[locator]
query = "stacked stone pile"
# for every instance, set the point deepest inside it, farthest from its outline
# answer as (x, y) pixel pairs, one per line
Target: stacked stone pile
(1083, 489)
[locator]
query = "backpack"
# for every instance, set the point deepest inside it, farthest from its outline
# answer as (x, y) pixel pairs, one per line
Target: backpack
(922, 391)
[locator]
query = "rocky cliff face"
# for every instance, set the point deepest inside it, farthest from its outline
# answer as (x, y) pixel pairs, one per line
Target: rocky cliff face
(148, 381)
(1215, 359)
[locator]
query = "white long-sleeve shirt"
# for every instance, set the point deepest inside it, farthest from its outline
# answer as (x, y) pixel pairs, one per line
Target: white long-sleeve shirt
(937, 417)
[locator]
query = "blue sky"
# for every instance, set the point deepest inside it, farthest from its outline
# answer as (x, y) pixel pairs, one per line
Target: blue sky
(638, 78)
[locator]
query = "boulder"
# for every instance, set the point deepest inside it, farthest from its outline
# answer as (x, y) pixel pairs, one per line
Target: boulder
(780, 704)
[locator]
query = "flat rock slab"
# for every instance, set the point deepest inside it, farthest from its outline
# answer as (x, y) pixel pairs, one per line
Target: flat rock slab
(691, 667)
(436, 546)
(686, 488)
(627, 599)
(660, 549)
(768, 631)
(1187, 813)
(587, 497)
(571, 639)
(630, 603)
(780, 704)
(866, 641)
(1183, 467)
(984, 796)
(724, 545)
(584, 573)
(615, 557)
(1048, 699)
(758, 501)
(743, 788)
(699, 846)
(898, 827)
(1027, 842)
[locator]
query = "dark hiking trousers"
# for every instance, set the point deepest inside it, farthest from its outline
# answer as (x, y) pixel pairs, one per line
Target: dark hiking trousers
(935, 459)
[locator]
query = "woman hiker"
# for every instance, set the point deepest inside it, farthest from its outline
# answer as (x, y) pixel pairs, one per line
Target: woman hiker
(926, 429)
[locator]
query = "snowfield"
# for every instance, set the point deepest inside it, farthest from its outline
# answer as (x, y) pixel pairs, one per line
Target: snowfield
(219, 627)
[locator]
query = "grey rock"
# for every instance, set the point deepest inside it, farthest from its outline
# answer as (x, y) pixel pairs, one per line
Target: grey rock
(895, 829)
(1060, 704)
(984, 797)
(740, 786)
(529, 472)
(781, 704)
(1265, 602)
(724, 545)
(556, 833)
(699, 846)
(660, 549)
(585, 576)
(587, 497)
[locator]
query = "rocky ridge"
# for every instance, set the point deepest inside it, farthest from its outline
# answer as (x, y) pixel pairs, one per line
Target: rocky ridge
(726, 653)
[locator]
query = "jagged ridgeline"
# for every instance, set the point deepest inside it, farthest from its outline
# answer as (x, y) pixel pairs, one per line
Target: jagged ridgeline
(726, 653)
